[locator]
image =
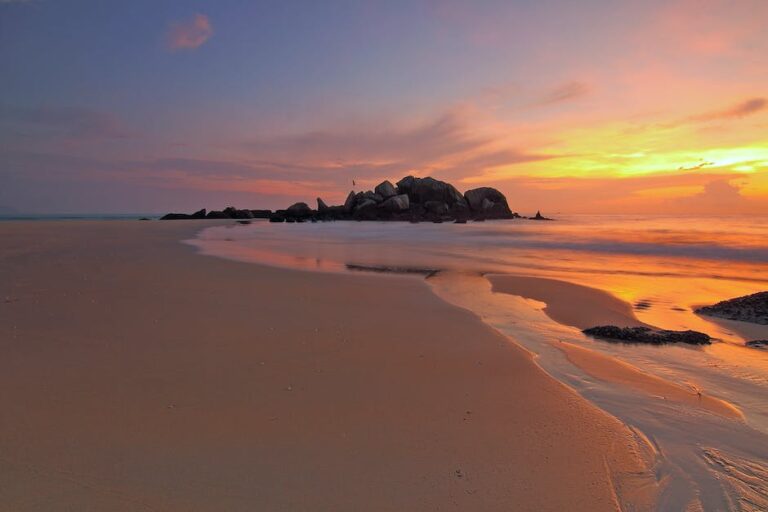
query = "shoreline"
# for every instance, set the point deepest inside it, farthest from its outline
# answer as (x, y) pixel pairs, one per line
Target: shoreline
(220, 397)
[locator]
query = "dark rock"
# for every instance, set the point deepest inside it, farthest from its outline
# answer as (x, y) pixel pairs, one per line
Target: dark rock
(414, 199)
(749, 308)
(145, 218)
(396, 204)
(368, 195)
(539, 216)
(647, 335)
(489, 202)
(290, 220)
(298, 211)
(261, 214)
(276, 217)
(200, 214)
(215, 214)
(333, 213)
(233, 213)
(421, 190)
(349, 204)
(460, 221)
(175, 216)
(365, 210)
(386, 189)
(243, 222)
(762, 344)
(436, 207)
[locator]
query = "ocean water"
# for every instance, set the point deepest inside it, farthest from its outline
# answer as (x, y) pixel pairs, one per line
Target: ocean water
(77, 216)
(663, 266)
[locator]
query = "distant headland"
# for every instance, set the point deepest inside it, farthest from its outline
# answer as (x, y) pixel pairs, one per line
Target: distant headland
(409, 200)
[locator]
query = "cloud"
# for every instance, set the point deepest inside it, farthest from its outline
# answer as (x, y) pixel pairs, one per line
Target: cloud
(562, 93)
(70, 122)
(743, 109)
(190, 34)
(444, 136)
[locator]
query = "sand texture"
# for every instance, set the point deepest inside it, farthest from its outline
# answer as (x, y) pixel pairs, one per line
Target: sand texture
(138, 375)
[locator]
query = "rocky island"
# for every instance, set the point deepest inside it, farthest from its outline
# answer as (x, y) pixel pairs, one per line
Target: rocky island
(411, 199)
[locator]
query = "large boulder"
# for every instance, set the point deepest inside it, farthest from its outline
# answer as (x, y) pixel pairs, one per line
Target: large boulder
(349, 204)
(437, 207)
(421, 190)
(488, 201)
(386, 189)
(299, 211)
(365, 210)
(321, 206)
(396, 204)
(261, 214)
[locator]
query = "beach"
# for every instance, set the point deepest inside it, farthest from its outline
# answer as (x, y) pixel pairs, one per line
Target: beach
(138, 374)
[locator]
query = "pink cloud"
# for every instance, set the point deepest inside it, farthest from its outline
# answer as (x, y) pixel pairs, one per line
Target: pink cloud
(190, 34)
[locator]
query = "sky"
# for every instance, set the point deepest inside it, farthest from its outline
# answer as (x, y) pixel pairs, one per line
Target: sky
(595, 106)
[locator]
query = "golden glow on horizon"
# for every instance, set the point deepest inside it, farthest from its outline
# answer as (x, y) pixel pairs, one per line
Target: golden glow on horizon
(619, 150)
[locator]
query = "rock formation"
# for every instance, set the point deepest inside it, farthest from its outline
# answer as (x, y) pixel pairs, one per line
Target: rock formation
(411, 199)
(647, 335)
(750, 308)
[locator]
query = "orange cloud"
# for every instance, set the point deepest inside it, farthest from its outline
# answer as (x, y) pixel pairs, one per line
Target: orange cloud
(187, 35)
(745, 108)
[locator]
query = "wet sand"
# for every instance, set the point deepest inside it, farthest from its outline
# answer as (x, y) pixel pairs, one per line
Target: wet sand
(612, 370)
(139, 375)
(568, 303)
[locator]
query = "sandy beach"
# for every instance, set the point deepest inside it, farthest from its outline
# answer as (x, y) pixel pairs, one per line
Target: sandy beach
(139, 375)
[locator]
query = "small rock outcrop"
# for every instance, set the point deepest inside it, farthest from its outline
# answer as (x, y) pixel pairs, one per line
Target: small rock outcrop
(298, 211)
(647, 335)
(749, 308)
(761, 344)
(321, 206)
(200, 214)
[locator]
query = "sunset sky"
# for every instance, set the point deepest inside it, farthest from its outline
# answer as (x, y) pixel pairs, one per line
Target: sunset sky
(594, 106)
